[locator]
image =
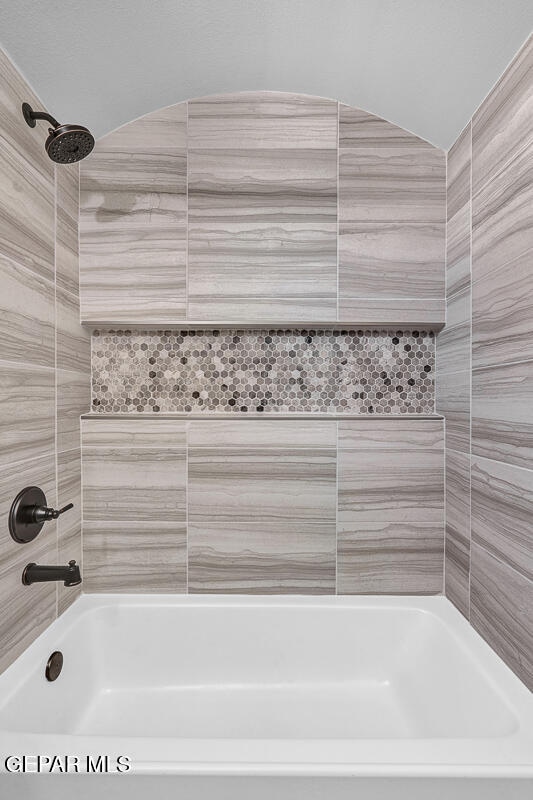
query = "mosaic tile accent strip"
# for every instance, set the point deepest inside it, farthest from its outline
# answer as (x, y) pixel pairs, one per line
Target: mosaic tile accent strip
(263, 371)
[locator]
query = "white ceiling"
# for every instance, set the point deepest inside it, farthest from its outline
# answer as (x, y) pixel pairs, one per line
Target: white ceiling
(423, 64)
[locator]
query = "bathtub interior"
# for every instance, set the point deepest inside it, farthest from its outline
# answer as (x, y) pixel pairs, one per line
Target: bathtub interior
(259, 671)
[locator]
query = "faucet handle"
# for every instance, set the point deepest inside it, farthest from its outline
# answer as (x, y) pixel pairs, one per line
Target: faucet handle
(29, 512)
(43, 513)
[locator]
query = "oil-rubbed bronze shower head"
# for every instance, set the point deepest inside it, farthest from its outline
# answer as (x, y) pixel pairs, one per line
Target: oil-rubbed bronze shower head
(66, 144)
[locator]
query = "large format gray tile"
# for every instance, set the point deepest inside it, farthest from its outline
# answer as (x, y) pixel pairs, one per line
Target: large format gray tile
(262, 238)
(502, 611)
(114, 432)
(258, 557)
(26, 213)
(502, 314)
(69, 523)
(390, 517)
(391, 260)
(390, 558)
(150, 557)
(387, 174)
(73, 342)
(67, 214)
(26, 316)
(261, 511)
(134, 511)
(146, 483)
(501, 127)
(26, 610)
(392, 195)
(458, 266)
(502, 512)
(459, 162)
(73, 399)
(457, 549)
(133, 226)
(258, 120)
(453, 342)
(27, 411)
(501, 217)
(502, 427)
(453, 402)
(407, 311)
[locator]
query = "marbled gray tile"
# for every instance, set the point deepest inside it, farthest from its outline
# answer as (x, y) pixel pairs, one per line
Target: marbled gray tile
(26, 316)
(453, 402)
(387, 174)
(502, 427)
(502, 611)
(133, 227)
(73, 399)
(27, 411)
(262, 507)
(258, 557)
(502, 512)
(262, 207)
(67, 178)
(251, 484)
(73, 342)
(148, 483)
(13, 92)
(164, 129)
(147, 557)
(502, 314)
(26, 611)
(258, 120)
(251, 270)
(407, 258)
(395, 311)
(26, 183)
(390, 473)
(390, 558)
(501, 217)
(457, 547)
(459, 162)
(453, 342)
(69, 524)
(502, 126)
(390, 518)
(115, 432)
(458, 266)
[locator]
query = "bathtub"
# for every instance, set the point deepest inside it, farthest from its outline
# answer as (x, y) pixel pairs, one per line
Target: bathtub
(193, 697)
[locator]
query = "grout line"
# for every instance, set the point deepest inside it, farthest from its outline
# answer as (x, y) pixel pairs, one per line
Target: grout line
(338, 206)
(56, 461)
(337, 507)
(187, 509)
(497, 461)
(503, 562)
(437, 360)
(186, 210)
(470, 405)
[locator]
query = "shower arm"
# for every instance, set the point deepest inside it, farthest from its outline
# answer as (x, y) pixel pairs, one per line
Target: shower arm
(31, 116)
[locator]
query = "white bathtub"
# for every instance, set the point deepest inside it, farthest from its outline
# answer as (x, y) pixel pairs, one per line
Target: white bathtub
(266, 698)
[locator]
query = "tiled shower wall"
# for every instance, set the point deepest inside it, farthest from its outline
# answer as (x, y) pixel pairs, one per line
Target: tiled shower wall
(293, 505)
(44, 362)
(262, 207)
(485, 369)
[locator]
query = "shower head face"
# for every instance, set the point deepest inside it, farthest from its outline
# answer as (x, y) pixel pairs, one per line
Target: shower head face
(69, 143)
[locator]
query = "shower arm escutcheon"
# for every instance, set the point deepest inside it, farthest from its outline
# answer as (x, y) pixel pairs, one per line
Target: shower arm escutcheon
(29, 512)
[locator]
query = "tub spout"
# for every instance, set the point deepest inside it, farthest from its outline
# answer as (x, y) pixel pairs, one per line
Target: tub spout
(34, 573)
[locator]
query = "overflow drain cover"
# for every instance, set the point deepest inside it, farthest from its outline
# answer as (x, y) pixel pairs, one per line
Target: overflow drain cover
(54, 666)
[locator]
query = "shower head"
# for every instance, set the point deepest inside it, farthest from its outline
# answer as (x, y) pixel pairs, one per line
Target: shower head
(66, 143)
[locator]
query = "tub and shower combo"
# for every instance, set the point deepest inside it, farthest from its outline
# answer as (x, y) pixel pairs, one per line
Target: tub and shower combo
(237, 697)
